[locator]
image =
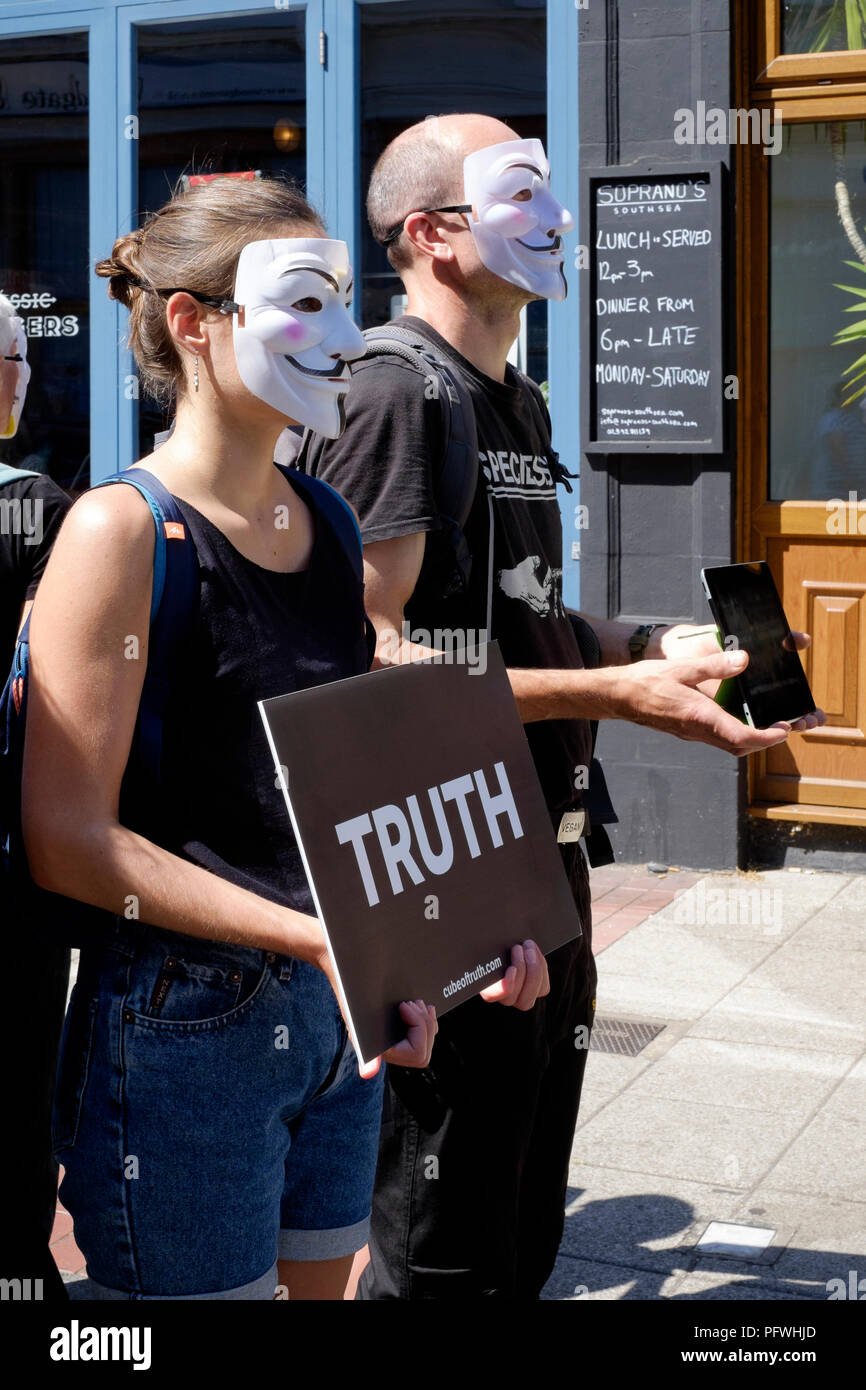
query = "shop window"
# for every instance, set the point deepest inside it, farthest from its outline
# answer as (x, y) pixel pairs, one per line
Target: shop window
(44, 266)
(459, 55)
(823, 26)
(218, 96)
(817, 277)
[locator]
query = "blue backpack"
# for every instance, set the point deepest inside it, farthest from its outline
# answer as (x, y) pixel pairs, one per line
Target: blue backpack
(173, 608)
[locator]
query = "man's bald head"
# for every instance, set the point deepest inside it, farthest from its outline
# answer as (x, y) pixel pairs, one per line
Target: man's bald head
(423, 168)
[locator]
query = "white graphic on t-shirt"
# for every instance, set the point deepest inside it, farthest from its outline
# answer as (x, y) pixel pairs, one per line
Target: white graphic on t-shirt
(524, 582)
(509, 474)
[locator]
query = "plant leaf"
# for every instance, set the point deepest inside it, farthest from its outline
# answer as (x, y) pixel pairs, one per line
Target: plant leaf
(854, 330)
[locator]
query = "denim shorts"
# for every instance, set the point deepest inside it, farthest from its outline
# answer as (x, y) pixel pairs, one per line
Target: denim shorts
(210, 1118)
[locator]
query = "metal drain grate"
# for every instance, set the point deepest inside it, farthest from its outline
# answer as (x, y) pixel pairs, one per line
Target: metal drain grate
(621, 1036)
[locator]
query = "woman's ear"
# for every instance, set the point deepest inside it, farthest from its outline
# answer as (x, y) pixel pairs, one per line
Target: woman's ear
(186, 322)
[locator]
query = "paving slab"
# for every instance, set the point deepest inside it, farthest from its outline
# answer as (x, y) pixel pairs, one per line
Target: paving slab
(610, 1073)
(852, 894)
(591, 1101)
(750, 906)
(826, 1159)
(837, 927)
(828, 1236)
(664, 971)
(705, 1143)
(796, 997)
(745, 1076)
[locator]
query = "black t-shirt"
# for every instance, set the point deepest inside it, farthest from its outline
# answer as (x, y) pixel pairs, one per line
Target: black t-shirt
(386, 463)
(256, 633)
(31, 510)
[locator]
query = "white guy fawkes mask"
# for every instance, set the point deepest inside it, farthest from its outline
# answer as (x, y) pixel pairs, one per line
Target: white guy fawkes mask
(519, 222)
(13, 340)
(297, 338)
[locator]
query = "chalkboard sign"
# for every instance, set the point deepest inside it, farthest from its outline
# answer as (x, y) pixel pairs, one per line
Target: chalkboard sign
(653, 320)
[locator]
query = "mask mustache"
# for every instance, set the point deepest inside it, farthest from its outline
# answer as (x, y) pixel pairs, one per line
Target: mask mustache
(553, 245)
(337, 370)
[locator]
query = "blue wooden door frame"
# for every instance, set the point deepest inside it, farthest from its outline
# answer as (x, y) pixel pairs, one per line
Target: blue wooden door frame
(333, 99)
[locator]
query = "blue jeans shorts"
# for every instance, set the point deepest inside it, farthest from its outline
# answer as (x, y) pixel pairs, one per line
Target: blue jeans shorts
(210, 1118)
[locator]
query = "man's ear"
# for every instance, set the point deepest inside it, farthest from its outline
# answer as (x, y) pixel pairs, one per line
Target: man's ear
(425, 231)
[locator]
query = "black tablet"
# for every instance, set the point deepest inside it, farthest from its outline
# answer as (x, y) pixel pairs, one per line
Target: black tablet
(748, 611)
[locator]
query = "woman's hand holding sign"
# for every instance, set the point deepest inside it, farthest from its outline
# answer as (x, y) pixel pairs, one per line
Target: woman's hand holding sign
(416, 1049)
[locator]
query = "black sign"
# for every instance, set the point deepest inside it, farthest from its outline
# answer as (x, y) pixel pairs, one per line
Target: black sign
(424, 834)
(653, 320)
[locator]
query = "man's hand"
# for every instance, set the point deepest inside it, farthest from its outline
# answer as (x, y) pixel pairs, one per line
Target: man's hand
(666, 696)
(525, 980)
(684, 641)
(412, 1051)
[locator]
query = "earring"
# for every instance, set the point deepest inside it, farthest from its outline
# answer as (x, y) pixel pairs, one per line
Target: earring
(195, 374)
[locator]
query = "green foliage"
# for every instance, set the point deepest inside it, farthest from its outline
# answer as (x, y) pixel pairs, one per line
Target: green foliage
(854, 332)
(823, 28)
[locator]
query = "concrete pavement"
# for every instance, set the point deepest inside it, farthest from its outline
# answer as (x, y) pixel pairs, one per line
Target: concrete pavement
(749, 1107)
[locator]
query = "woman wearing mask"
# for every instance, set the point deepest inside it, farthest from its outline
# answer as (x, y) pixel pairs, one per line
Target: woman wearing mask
(217, 1138)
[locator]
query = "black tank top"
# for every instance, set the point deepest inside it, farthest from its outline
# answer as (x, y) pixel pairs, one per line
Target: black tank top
(256, 634)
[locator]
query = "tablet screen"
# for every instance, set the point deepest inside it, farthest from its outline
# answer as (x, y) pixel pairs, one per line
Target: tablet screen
(747, 607)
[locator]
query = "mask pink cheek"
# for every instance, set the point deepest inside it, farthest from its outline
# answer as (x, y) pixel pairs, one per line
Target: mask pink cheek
(507, 220)
(294, 333)
(281, 332)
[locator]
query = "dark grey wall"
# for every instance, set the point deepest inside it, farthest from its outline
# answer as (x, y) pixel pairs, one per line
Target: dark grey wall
(655, 520)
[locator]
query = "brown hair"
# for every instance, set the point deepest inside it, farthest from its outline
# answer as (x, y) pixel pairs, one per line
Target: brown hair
(193, 242)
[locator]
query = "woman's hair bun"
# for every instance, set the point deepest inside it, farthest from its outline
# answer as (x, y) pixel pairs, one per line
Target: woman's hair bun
(121, 269)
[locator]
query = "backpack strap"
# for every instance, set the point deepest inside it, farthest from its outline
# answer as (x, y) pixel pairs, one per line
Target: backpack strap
(538, 407)
(174, 599)
(336, 510)
(457, 480)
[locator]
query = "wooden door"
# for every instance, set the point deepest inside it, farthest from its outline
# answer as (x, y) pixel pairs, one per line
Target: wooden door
(802, 437)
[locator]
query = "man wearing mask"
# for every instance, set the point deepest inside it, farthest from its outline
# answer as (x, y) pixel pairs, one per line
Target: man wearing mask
(473, 1161)
(32, 508)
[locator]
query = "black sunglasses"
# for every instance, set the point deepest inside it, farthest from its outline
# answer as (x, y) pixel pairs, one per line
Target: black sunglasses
(225, 306)
(16, 357)
(396, 230)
